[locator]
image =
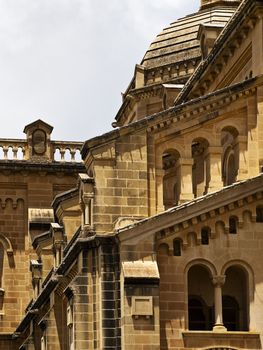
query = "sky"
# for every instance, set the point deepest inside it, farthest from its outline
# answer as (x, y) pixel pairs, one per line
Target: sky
(67, 61)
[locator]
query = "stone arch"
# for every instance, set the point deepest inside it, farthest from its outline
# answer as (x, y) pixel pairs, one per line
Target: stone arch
(6, 244)
(201, 134)
(243, 264)
(204, 262)
(210, 268)
(231, 125)
(164, 147)
(236, 294)
(200, 297)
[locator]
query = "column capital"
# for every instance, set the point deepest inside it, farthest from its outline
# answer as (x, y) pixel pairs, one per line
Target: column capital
(219, 280)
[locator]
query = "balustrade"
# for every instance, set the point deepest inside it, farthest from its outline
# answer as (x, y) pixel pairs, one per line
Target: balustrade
(12, 149)
(66, 151)
(61, 151)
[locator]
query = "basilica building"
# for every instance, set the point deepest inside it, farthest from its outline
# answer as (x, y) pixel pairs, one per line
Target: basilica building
(150, 236)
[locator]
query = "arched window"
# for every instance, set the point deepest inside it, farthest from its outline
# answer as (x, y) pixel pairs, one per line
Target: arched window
(235, 299)
(200, 299)
(259, 214)
(177, 247)
(205, 234)
(233, 224)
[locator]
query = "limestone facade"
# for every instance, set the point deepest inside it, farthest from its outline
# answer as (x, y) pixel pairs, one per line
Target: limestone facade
(155, 240)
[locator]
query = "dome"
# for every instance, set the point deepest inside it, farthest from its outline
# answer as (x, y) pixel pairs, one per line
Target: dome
(171, 60)
(179, 42)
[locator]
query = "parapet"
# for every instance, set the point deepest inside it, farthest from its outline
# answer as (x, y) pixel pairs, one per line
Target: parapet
(38, 146)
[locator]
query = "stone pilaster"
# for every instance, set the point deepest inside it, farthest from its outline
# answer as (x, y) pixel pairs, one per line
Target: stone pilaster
(214, 169)
(186, 183)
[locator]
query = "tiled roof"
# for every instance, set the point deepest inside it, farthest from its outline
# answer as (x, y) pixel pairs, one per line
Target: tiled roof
(179, 42)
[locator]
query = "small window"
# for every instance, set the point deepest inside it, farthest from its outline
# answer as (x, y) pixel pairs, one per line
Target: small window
(205, 232)
(177, 247)
(232, 225)
(259, 213)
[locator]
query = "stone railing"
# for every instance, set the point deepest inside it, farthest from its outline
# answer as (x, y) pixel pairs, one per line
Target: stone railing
(60, 151)
(13, 149)
(64, 151)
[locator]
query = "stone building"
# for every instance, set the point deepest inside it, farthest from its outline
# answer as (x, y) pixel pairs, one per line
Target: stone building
(155, 240)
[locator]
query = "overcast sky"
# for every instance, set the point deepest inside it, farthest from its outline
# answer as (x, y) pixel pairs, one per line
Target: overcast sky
(67, 61)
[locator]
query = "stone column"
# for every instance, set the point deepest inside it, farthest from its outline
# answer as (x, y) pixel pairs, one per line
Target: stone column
(213, 160)
(185, 176)
(218, 282)
(159, 174)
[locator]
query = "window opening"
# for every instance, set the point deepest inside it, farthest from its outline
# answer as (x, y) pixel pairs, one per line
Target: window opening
(259, 214)
(177, 247)
(205, 232)
(232, 225)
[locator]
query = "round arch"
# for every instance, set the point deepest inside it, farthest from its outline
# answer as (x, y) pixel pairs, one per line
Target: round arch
(203, 262)
(6, 244)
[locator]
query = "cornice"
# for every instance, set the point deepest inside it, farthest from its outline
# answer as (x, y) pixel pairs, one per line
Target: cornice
(204, 105)
(48, 167)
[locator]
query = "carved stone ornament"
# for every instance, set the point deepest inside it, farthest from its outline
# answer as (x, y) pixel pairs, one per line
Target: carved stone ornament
(39, 142)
